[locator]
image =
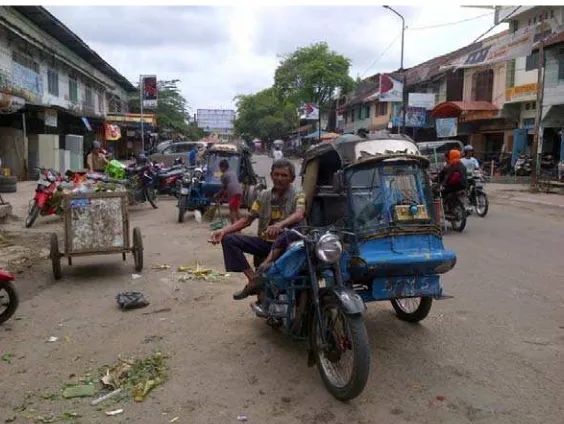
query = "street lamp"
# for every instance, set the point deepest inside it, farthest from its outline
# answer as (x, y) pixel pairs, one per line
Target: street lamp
(401, 63)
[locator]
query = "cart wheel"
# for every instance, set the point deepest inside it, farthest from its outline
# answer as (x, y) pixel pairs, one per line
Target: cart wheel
(123, 256)
(55, 256)
(137, 249)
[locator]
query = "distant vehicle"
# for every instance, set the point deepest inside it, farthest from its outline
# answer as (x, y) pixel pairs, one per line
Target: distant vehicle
(173, 151)
(435, 151)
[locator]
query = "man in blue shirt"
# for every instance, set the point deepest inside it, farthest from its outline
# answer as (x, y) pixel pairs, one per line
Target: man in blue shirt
(192, 156)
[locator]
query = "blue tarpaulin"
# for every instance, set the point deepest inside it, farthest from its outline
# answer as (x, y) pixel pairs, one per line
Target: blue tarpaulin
(315, 134)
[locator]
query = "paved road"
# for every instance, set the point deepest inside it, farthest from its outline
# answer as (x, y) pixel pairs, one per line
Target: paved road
(493, 354)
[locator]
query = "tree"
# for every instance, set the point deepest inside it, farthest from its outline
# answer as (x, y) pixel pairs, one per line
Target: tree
(172, 110)
(313, 74)
(266, 115)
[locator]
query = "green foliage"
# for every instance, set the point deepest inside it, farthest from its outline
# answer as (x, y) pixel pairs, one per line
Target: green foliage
(266, 115)
(172, 110)
(313, 74)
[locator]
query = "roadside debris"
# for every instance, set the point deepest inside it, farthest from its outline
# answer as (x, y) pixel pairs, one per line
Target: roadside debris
(174, 420)
(114, 412)
(199, 273)
(242, 418)
(135, 276)
(162, 267)
(131, 300)
(7, 357)
(139, 377)
(82, 390)
(52, 339)
(105, 397)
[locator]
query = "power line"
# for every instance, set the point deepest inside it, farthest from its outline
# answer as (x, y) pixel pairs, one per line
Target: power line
(452, 23)
(494, 25)
(383, 53)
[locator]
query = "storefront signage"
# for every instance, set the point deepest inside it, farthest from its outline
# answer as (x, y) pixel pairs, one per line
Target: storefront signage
(148, 118)
(391, 90)
(10, 104)
(415, 117)
(446, 127)
(521, 92)
(149, 92)
(510, 46)
(113, 132)
(476, 115)
(425, 100)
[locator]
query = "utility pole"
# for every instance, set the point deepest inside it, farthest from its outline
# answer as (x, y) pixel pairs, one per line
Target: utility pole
(538, 136)
(404, 92)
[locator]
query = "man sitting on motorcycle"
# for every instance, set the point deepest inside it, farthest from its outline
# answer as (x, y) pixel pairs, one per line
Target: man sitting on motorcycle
(469, 161)
(453, 177)
(278, 208)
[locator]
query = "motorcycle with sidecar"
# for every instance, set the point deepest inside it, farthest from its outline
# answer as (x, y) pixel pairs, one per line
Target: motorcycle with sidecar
(372, 234)
(199, 185)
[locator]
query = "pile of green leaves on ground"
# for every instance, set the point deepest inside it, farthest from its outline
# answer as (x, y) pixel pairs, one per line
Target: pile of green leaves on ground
(138, 377)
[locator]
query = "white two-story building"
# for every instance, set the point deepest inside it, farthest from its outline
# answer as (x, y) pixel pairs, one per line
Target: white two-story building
(51, 85)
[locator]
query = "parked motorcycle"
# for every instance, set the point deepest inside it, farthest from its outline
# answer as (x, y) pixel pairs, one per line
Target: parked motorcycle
(476, 194)
(167, 179)
(306, 297)
(523, 165)
(41, 204)
(141, 184)
(9, 300)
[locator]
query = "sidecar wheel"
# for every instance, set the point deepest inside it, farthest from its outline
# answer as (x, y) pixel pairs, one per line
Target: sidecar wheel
(353, 343)
(9, 301)
(412, 309)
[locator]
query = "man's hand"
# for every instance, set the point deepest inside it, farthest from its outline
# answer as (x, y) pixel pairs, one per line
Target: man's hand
(273, 231)
(217, 236)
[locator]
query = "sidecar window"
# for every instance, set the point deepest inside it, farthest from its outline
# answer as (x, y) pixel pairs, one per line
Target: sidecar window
(367, 199)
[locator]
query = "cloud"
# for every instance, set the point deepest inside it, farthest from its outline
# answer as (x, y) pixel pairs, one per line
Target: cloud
(146, 26)
(219, 52)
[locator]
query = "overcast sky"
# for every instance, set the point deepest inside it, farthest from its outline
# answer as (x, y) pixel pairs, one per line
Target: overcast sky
(219, 52)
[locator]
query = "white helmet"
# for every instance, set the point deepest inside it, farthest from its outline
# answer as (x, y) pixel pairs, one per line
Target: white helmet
(468, 148)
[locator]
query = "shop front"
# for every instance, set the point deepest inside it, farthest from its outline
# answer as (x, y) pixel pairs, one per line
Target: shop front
(480, 124)
(123, 133)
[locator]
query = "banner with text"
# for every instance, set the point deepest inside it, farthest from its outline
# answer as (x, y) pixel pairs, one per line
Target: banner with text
(149, 91)
(510, 46)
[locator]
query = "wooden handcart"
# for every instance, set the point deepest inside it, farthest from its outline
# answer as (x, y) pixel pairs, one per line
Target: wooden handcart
(96, 224)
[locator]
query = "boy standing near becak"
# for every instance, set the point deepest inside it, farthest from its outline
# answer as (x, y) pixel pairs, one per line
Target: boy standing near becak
(232, 189)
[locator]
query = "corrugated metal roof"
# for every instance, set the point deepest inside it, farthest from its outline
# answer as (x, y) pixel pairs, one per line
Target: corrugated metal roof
(51, 25)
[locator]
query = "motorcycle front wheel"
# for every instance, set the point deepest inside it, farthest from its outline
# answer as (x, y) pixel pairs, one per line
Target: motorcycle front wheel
(344, 363)
(32, 216)
(9, 301)
(482, 204)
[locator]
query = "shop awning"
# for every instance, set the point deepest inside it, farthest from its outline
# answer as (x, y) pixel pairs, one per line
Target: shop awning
(465, 111)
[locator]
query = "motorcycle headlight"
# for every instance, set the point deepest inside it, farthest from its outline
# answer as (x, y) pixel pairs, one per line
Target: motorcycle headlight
(329, 248)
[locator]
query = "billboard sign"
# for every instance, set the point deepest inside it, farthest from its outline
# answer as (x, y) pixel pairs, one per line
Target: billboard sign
(391, 90)
(149, 91)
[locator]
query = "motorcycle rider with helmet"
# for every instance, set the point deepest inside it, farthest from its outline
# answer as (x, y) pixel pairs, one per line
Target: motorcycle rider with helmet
(469, 161)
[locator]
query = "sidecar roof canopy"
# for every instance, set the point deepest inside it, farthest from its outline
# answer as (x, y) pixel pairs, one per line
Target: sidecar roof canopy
(351, 149)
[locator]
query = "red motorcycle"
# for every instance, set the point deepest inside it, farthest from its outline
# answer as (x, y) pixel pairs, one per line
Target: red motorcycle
(9, 300)
(41, 203)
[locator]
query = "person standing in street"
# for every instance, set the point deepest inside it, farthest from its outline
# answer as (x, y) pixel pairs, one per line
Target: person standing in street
(277, 154)
(232, 189)
(192, 155)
